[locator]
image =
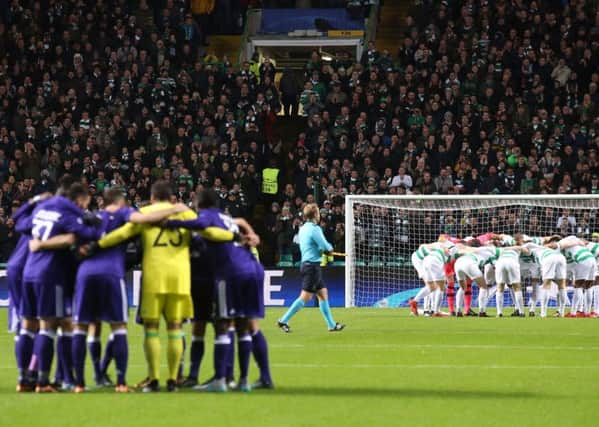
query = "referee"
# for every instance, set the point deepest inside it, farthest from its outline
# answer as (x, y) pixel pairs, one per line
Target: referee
(312, 244)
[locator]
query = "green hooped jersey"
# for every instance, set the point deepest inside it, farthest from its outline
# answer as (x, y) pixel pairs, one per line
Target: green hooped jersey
(530, 259)
(438, 252)
(508, 253)
(421, 252)
(486, 255)
(576, 253)
(541, 252)
(594, 249)
(507, 241)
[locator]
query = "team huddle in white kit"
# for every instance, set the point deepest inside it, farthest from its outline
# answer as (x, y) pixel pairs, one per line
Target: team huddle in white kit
(506, 261)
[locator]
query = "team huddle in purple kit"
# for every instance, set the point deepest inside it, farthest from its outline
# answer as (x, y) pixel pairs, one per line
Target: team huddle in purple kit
(61, 281)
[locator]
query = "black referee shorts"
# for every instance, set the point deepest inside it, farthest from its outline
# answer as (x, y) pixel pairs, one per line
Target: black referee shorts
(311, 277)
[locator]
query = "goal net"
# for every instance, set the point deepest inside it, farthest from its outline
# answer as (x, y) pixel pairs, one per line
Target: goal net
(383, 231)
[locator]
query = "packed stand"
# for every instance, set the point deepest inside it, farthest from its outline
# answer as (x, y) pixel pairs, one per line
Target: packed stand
(480, 98)
(123, 96)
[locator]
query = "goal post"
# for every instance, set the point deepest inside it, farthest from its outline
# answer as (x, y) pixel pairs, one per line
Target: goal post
(382, 232)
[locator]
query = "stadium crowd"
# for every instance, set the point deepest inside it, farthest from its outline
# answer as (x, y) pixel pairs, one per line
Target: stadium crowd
(482, 97)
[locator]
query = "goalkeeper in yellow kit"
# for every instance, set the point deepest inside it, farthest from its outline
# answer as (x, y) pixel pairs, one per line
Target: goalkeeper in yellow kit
(166, 281)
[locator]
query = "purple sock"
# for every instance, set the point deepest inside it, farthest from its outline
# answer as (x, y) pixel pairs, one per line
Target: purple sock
(94, 346)
(67, 357)
(260, 350)
(23, 350)
(78, 352)
(43, 348)
(222, 343)
(108, 355)
(244, 352)
(58, 375)
(196, 353)
(182, 362)
(120, 351)
(230, 360)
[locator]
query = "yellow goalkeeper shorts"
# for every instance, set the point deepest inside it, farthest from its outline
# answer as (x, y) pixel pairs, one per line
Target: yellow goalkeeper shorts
(173, 307)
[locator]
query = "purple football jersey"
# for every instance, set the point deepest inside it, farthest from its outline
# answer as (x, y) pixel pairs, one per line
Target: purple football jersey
(239, 276)
(50, 218)
(22, 219)
(111, 260)
(225, 257)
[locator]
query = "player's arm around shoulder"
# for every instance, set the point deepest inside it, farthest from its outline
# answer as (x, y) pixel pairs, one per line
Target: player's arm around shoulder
(145, 217)
(119, 235)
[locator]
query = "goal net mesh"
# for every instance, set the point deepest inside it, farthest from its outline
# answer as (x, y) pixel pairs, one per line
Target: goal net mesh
(383, 232)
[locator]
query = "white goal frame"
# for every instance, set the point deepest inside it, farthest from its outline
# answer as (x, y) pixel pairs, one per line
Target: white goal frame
(351, 200)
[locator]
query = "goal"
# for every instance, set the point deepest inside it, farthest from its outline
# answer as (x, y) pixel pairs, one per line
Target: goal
(383, 231)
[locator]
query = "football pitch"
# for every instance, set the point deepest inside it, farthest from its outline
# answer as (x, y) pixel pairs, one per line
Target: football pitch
(385, 369)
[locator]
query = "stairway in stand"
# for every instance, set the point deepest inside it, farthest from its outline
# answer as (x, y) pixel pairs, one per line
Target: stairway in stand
(222, 45)
(391, 23)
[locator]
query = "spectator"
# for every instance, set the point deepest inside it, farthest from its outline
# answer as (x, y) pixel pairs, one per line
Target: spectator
(444, 182)
(402, 179)
(566, 223)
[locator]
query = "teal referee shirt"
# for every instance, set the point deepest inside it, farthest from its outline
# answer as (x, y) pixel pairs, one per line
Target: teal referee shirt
(312, 242)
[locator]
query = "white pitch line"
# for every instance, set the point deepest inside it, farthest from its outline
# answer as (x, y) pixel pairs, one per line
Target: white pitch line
(429, 366)
(358, 346)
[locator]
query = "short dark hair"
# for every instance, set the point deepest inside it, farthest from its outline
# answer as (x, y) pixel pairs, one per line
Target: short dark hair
(113, 195)
(162, 191)
(77, 190)
(64, 185)
(207, 199)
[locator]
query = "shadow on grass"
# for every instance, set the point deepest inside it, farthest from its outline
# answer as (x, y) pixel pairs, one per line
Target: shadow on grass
(397, 392)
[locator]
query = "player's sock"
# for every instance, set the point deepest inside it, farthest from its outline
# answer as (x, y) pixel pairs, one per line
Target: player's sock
(427, 303)
(437, 300)
(121, 355)
(182, 361)
(108, 354)
(580, 302)
(588, 300)
(532, 302)
(260, 351)
(79, 350)
(221, 347)
(424, 291)
(230, 360)
(519, 301)
(43, 348)
(58, 376)
(245, 350)
(196, 354)
(297, 305)
(595, 292)
(174, 351)
(325, 310)
(482, 299)
(94, 346)
(451, 297)
(152, 350)
(459, 299)
(575, 296)
(563, 298)
(544, 297)
(23, 350)
(498, 302)
(468, 298)
(67, 357)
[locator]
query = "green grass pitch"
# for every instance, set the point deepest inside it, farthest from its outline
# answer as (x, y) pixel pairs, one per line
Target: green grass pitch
(385, 369)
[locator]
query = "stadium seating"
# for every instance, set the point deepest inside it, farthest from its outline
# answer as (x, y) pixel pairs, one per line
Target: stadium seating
(479, 97)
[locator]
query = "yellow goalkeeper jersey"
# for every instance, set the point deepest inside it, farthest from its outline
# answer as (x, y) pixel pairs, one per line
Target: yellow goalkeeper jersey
(165, 264)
